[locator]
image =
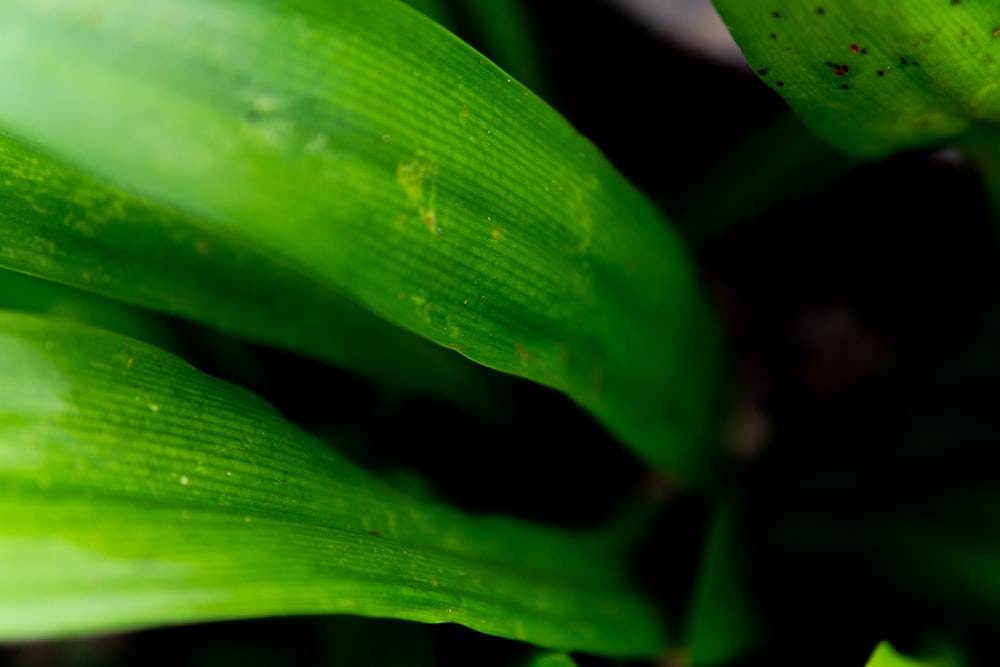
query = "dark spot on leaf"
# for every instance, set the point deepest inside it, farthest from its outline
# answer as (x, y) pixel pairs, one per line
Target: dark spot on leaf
(916, 64)
(903, 62)
(854, 48)
(762, 72)
(773, 36)
(881, 73)
(844, 86)
(780, 84)
(864, 52)
(955, 2)
(776, 15)
(829, 64)
(820, 11)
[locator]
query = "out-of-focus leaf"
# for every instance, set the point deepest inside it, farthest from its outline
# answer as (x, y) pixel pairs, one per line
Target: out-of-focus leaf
(876, 76)
(435, 10)
(137, 491)
(885, 655)
(507, 37)
(549, 659)
(722, 623)
(369, 148)
(775, 165)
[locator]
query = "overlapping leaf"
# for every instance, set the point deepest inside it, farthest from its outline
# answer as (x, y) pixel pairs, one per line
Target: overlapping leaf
(368, 148)
(63, 226)
(137, 491)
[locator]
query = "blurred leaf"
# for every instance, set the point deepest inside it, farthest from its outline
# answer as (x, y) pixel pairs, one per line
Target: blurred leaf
(22, 292)
(722, 623)
(776, 165)
(507, 37)
(549, 659)
(367, 147)
(137, 491)
(983, 146)
(876, 76)
(886, 656)
(436, 10)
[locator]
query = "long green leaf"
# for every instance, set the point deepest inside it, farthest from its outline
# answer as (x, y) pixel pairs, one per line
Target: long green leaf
(63, 226)
(370, 148)
(137, 491)
(876, 76)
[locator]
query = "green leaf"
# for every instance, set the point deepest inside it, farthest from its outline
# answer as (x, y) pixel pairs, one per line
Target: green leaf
(722, 623)
(549, 659)
(361, 143)
(137, 491)
(71, 229)
(507, 37)
(885, 655)
(874, 77)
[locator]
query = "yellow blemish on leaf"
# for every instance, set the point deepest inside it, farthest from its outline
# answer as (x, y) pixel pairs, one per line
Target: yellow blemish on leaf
(524, 355)
(416, 180)
(423, 307)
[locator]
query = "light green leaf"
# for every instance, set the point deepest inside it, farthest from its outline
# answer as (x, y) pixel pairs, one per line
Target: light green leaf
(65, 227)
(876, 76)
(137, 491)
(549, 659)
(885, 655)
(361, 143)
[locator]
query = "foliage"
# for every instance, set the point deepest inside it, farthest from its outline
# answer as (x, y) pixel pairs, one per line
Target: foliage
(465, 375)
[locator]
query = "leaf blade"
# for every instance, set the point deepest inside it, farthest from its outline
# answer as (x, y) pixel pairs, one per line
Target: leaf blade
(448, 200)
(137, 491)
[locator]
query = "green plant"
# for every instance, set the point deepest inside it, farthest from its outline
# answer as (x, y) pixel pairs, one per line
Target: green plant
(349, 182)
